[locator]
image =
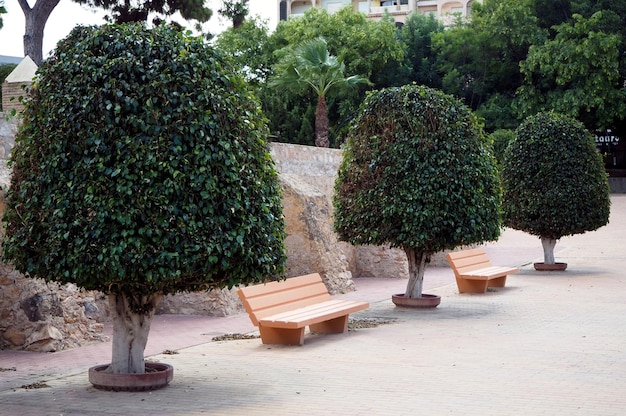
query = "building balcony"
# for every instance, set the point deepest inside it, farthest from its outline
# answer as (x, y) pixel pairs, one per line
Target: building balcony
(392, 9)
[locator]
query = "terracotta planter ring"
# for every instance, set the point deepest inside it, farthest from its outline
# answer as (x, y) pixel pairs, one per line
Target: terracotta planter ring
(157, 375)
(426, 301)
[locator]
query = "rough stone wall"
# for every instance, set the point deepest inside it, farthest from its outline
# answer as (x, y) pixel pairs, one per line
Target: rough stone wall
(217, 302)
(318, 168)
(312, 246)
(46, 317)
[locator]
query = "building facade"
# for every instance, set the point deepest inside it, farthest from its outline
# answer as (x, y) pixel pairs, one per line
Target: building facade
(445, 10)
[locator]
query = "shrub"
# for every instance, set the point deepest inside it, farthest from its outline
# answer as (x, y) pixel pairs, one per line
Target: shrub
(554, 180)
(418, 174)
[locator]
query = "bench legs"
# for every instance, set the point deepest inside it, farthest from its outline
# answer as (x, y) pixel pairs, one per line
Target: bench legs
(497, 282)
(471, 286)
(479, 286)
(288, 336)
(333, 326)
(285, 336)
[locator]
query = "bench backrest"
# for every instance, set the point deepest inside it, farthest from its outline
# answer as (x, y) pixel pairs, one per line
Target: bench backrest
(467, 260)
(282, 296)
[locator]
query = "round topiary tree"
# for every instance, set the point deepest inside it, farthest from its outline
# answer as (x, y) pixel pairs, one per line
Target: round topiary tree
(417, 173)
(141, 169)
(554, 181)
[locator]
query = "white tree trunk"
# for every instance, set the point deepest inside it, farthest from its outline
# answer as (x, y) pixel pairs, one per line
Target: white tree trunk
(548, 249)
(130, 333)
(417, 264)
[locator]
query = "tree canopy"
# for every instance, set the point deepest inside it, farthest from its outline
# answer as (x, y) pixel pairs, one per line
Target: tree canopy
(3, 10)
(417, 173)
(140, 10)
(553, 179)
(235, 10)
(156, 180)
(249, 47)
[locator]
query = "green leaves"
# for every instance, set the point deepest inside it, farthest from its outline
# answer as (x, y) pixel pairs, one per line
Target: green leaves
(554, 180)
(416, 173)
(141, 167)
(579, 72)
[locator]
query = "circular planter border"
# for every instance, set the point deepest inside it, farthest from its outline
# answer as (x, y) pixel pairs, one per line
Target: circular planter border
(556, 267)
(426, 301)
(157, 375)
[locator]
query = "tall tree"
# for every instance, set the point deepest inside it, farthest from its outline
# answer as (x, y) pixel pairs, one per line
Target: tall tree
(235, 10)
(122, 11)
(480, 59)
(417, 33)
(35, 18)
(249, 47)
(311, 66)
(367, 48)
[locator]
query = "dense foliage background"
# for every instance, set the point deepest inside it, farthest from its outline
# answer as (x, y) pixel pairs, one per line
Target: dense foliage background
(512, 59)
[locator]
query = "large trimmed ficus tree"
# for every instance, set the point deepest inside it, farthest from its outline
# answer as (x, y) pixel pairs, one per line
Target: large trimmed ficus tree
(141, 169)
(554, 180)
(417, 173)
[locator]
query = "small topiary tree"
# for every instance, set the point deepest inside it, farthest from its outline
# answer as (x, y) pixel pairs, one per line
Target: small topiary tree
(554, 181)
(141, 169)
(417, 174)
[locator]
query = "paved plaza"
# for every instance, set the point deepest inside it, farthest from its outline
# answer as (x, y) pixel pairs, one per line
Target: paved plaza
(550, 343)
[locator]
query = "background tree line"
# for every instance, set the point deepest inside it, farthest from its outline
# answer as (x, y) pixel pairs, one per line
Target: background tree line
(512, 59)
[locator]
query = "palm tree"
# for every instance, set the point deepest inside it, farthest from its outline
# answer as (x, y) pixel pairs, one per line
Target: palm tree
(310, 65)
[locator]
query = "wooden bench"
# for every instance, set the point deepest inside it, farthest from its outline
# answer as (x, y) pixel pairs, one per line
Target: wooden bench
(283, 309)
(474, 272)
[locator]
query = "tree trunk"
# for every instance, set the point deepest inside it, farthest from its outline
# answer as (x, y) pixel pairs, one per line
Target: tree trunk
(130, 333)
(35, 21)
(548, 249)
(417, 265)
(321, 123)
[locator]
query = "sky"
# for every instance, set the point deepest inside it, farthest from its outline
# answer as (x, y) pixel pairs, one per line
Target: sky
(68, 14)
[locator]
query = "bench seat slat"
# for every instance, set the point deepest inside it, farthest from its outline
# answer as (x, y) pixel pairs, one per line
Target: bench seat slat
(313, 314)
(488, 272)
